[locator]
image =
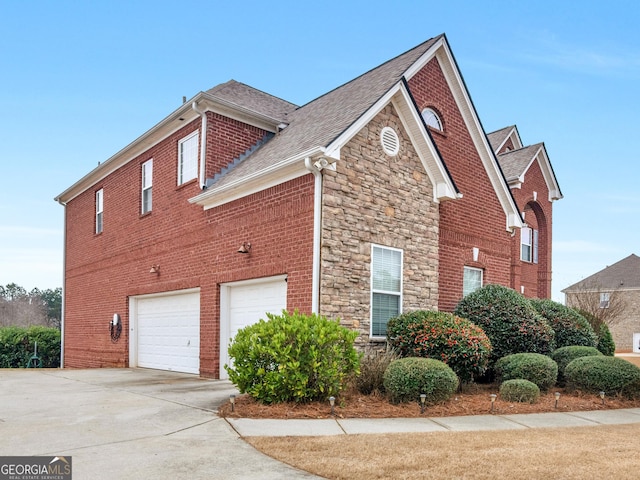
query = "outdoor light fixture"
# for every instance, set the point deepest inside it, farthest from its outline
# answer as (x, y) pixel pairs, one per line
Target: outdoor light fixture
(423, 400)
(244, 248)
(232, 400)
(493, 397)
(332, 402)
(155, 269)
(557, 395)
(602, 397)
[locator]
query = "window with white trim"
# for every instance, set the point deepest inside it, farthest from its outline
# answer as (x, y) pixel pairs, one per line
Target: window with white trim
(99, 210)
(432, 119)
(147, 186)
(471, 280)
(188, 158)
(604, 299)
(386, 287)
(529, 245)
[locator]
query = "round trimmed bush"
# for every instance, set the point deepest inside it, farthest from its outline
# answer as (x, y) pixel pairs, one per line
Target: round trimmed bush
(443, 336)
(569, 326)
(406, 379)
(565, 355)
(535, 367)
(293, 357)
(508, 319)
(519, 390)
(611, 375)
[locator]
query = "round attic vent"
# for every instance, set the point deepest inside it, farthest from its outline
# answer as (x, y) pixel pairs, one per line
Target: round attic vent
(390, 141)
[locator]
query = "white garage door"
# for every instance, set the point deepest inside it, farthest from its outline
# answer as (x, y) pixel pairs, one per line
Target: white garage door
(245, 303)
(168, 331)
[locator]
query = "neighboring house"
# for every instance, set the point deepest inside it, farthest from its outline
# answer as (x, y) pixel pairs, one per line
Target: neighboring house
(380, 196)
(615, 291)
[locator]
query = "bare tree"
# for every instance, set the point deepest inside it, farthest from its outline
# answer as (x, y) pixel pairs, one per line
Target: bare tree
(604, 304)
(19, 308)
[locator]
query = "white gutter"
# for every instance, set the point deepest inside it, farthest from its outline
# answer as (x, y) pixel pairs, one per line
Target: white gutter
(203, 143)
(317, 212)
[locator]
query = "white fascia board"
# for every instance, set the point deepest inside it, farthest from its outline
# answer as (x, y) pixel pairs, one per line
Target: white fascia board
(165, 128)
(549, 176)
(443, 186)
(276, 174)
(168, 126)
(488, 158)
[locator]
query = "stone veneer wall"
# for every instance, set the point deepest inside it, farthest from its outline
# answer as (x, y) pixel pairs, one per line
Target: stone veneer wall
(373, 198)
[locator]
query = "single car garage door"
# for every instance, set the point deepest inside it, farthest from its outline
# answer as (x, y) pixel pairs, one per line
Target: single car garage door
(245, 303)
(167, 331)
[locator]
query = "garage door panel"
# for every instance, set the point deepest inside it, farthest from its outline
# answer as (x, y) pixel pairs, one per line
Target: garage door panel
(169, 332)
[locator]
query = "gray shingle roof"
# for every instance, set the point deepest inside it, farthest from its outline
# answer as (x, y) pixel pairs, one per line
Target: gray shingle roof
(515, 162)
(498, 137)
(322, 120)
(248, 97)
(624, 274)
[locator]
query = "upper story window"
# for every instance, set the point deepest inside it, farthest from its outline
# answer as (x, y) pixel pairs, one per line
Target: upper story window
(471, 280)
(99, 210)
(386, 287)
(147, 185)
(432, 119)
(604, 299)
(188, 158)
(529, 245)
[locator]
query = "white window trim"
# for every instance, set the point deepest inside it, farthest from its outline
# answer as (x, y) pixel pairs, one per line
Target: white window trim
(99, 220)
(373, 291)
(534, 247)
(147, 184)
(474, 269)
(181, 179)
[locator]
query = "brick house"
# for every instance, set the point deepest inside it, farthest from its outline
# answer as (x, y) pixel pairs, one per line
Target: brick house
(615, 290)
(380, 196)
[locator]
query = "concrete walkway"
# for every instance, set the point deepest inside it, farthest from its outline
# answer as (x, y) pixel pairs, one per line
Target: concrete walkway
(138, 423)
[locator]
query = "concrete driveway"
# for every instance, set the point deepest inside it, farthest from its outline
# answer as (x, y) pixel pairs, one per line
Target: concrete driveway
(128, 424)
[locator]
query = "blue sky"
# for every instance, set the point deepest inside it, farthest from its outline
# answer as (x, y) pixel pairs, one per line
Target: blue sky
(81, 80)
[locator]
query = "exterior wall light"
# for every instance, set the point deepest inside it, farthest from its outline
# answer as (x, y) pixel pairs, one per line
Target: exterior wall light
(244, 248)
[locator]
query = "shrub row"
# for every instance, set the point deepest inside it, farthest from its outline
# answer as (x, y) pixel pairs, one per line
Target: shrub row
(17, 346)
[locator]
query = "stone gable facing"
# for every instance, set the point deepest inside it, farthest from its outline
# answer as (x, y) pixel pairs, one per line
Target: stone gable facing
(374, 198)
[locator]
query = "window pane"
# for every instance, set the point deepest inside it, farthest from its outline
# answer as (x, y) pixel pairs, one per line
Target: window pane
(525, 242)
(535, 246)
(384, 307)
(387, 269)
(472, 280)
(146, 200)
(188, 159)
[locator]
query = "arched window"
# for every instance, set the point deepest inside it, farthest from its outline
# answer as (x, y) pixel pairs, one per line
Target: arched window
(432, 119)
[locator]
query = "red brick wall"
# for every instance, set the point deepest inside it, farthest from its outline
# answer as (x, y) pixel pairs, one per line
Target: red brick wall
(194, 248)
(476, 220)
(536, 278)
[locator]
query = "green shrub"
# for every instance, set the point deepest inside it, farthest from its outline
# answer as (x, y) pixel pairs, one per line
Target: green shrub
(508, 319)
(17, 346)
(443, 336)
(569, 326)
(611, 375)
(372, 367)
(606, 345)
(293, 357)
(565, 355)
(519, 390)
(407, 378)
(535, 367)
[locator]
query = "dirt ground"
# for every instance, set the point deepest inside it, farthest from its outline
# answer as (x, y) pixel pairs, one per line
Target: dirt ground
(475, 400)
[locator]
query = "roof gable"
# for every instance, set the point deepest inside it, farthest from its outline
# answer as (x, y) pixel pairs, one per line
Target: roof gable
(516, 163)
(623, 275)
(498, 138)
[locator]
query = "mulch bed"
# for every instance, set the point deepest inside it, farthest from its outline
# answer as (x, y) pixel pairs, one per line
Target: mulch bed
(474, 400)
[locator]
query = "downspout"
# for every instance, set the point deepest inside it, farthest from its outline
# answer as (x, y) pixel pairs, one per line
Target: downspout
(317, 212)
(203, 143)
(64, 289)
